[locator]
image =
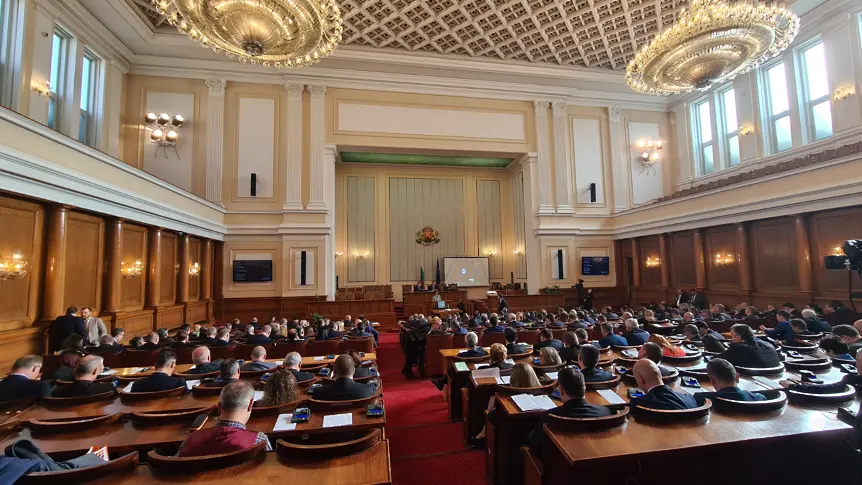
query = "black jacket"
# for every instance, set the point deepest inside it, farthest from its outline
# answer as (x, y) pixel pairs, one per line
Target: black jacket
(258, 340)
(301, 376)
(207, 341)
(158, 381)
(257, 366)
(573, 408)
(756, 354)
(556, 344)
(516, 348)
(205, 368)
(570, 354)
(62, 373)
(106, 349)
(596, 375)
(732, 393)
(501, 365)
(477, 352)
(149, 346)
(65, 326)
(662, 397)
(83, 388)
(16, 387)
(344, 389)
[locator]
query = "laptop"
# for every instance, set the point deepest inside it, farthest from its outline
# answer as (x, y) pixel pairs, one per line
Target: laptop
(441, 305)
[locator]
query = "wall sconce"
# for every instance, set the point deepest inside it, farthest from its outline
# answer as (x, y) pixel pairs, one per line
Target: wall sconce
(842, 93)
(652, 262)
(165, 131)
(517, 252)
(132, 270)
(837, 251)
(42, 88)
(650, 153)
(490, 253)
(194, 269)
(724, 259)
(746, 130)
(361, 254)
(338, 254)
(13, 268)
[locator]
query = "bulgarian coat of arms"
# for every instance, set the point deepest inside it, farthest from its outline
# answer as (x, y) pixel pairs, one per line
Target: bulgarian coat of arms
(427, 236)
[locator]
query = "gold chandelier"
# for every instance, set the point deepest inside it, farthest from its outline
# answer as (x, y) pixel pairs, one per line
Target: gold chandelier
(711, 42)
(278, 33)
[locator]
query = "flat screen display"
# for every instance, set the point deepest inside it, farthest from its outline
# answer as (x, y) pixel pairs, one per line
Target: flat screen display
(252, 271)
(595, 265)
(466, 271)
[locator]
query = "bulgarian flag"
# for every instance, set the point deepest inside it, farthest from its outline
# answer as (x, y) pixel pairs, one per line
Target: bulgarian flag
(422, 276)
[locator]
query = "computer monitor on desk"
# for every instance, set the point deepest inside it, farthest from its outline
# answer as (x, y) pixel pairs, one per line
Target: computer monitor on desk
(441, 305)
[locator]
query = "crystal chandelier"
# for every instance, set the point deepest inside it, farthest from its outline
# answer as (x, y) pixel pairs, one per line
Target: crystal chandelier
(711, 42)
(278, 33)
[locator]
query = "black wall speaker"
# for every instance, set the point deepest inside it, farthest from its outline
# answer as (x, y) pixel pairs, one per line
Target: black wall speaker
(593, 192)
(302, 263)
(253, 189)
(560, 263)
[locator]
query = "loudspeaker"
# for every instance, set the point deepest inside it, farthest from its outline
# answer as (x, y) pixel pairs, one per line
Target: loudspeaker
(593, 192)
(834, 262)
(560, 263)
(336, 281)
(253, 189)
(302, 263)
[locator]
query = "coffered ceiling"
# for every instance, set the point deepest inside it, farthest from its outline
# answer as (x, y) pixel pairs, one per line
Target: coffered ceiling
(587, 33)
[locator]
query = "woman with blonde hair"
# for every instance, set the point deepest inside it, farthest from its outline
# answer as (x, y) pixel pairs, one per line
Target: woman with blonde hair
(280, 388)
(522, 376)
(649, 316)
(549, 356)
(498, 357)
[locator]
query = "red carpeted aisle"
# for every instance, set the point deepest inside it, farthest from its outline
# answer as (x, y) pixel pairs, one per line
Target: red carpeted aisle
(426, 448)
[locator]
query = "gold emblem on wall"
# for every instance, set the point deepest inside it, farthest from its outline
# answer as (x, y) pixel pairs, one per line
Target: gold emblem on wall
(427, 236)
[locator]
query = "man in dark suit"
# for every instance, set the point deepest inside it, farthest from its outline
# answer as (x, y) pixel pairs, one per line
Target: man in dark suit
(502, 304)
(681, 297)
(88, 369)
(815, 324)
(572, 391)
(258, 361)
(262, 338)
(782, 331)
(345, 388)
(182, 340)
(653, 352)
(228, 372)
(634, 334)
(64, 326)
(472, 341)
(456, 328)
(152, 342)
(724, 379)
(747, 351)
(495, 327)
(106, 345)
(22, 383)
(210, 337)
(609, 338)
(292, 363)
(656, 394)
(850, 336)
(222, 337)
(572, 350)
(698, 300)
(66, 371)
(162, 378)
(201, 359)
(588, 361)
(511, 346)
(546, 339)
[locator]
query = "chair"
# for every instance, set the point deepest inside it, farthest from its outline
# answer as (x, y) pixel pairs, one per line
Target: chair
(80, 475)
(548, 368)
(335, 405)
(207, 391)
(197, 464)
(313, 368)
(559, 333)
(184, 354)
(283, 348)
(77, 401)
(813, 365)
(620, 348)
(516, 357)
(323, 347)
(329, 379)
(329, 450)
(803, 349)
(674, 415)
(810, 336)
(222, 352)
(535, 391)
(459, 341)
(197, 377)
(533, 467)
(305, 384)
(493, 338)
(775, 400)
(673, 359)
(169, 416)
(129, 397)
(112, 359)
(433, 345)
(53, 426)
(254, 374)
(139, 358)
(798, 397)
(760, 371)
(588, 424)
(610, 384)
(257, 411)
(528, 336)
(359, 344)
(61, 382)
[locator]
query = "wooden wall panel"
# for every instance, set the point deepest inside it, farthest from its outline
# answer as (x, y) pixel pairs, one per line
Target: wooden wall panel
(85, 242)
(168, 285)
(681, 255)
(16, 343)
(360, 229)
(519, 225)
(721, 240)
(490, 230)
(134, 249)
(195, 253)
(22, 226)
(196, 311)
(828, 231)
(650, 277)
(774, 267)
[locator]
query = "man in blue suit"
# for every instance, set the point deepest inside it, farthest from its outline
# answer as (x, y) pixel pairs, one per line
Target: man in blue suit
(262, 338)
(22, 383)
(162, 378)
(724, 379)
(495, 325)
(634, 334)
(656, 394)
(609, 338)
(783, 331)
(63, 327)
(472, 340)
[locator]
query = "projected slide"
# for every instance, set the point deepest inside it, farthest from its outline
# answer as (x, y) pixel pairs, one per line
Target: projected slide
(466, 271)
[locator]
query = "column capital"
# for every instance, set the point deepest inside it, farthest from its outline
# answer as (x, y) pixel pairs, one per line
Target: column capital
(559, 108)
(614, 112)
(294, 88)
(216, 86)
(317, 90)
(540, 107)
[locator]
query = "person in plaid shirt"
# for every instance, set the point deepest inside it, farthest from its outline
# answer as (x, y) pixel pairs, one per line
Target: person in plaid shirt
(229, 434)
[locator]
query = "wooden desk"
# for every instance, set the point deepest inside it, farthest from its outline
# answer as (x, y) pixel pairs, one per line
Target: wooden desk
(369, 467)
(523, 303)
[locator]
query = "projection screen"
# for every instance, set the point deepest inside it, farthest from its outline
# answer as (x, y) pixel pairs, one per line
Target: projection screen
(466, 271)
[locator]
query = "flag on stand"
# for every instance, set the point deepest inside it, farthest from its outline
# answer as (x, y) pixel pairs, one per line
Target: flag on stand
(438, 272)
(422, 276)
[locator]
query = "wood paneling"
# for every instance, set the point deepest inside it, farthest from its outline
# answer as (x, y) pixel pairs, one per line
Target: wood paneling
(15, 343)
(196, 311)
(520, 228)
(195, 256)
(774, 256)
(490, 230)
(23, 226)
(170, 316)
(650, 277)
(134, 249)
(721, 240)
(168, 293)
(135, 323)
(682, 260)
(84, 261)
(360, 229)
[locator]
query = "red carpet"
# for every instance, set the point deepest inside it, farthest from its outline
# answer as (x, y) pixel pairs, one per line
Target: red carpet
(426, 447)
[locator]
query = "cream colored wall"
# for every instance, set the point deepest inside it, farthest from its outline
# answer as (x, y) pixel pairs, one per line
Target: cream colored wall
(360, 232)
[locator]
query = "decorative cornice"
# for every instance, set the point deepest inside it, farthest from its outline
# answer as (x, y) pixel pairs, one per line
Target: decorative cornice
(614, 113)
(216, 86)
(559, 108)
(317, 90)
(541, 107)
(294, 89)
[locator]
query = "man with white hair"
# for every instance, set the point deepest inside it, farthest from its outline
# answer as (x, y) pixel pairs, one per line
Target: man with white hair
(815, 324)
(292, 364)
(88, 369)
(633, 334)
(472, 341)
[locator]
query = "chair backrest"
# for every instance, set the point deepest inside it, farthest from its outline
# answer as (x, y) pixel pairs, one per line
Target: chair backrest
(559, 333)
(184, 354)
(588, 424)
(760, 371)
(127, 397)
(77, 401)
(680, 359)
(254, 374)
(332, 405)
(459, 341)
(548, 368)
(360, 380)
(775, 400)
(205, 391)
(79, 475)
(620, 348)
(604, 384)
(274, 410)
(197, 464)
(323, 347)
(283, 348)
(38, 426)
(474, 360)
(433, 345)
(222, 352)
(489, 338)
(112, 359)
(62, 382)
(535, 391)
(528, 337)
(139, 358)
(50, 363)
(809, 364)
(673, 415)
(170, 416)
(359, 344)
(197, 377)
(329, 450)
(796, 397)
(525, 355)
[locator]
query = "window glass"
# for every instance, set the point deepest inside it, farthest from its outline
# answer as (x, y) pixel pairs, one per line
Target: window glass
(822, 118)
(705, 122)
(708, 163)
(783, 138)
(733, 149)
(777, 86)
(728, 99)
(815, 72)
(86, 71)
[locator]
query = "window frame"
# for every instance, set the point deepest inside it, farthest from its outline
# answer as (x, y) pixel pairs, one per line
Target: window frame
(697, 143)
(725, 135)
(57, 92)
(768, 118)
(807, 105)
(90, 114)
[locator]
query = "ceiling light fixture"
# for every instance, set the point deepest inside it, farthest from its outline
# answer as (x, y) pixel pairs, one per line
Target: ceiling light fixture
(277, 33)
(711, 42)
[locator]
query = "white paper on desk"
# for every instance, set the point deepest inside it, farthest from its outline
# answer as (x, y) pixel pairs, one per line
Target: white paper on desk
(504, 380)
(610, 396)
(129, 387)
(527, 402)
(109, 372)
(283, 423)
(191, 384)
(544, 402)
(510, 361)
(258, 395)
(319, 358)
(334, 420)
(279, 362)
(192, 367)
(552, 375)
(764, 381)
(490, 372)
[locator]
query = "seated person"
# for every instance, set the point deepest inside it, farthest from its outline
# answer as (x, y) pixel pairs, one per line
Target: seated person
(22, 382)
(118, 335)
(472, 340)
(570, 353)
(724, 379)
(362, 329)
(782, 331)
(106, 345)
(209, 338)
(222, 338)
(229, 434)
(583, 336)
(831, 388)
(747, 351)
(152, 342)
(653, 352)
(498, 357)
(262, 338)
(228, 372)
(74, 343)
(656, 394)
(546, 339)
(258, 360)
(457, 329)
(666, 348)
(66, 370)
(345, 388)
(815, 324)
(495, 327)
(280, 388)
(835, 348)
(572, 390)
(548, 356)
(704, 330)
(523, 375)
(182, 340)
(438, 327)
(292, 364)
(162, 377)
(293, 336)
(588, 361)
(633, 334)
(88, 369)
(850, 336)
(512, 347)
(560, 321)
(164, 339)
(800, 329)
(201, 359)
(357, 363)
(692, 334)
(609, 338)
